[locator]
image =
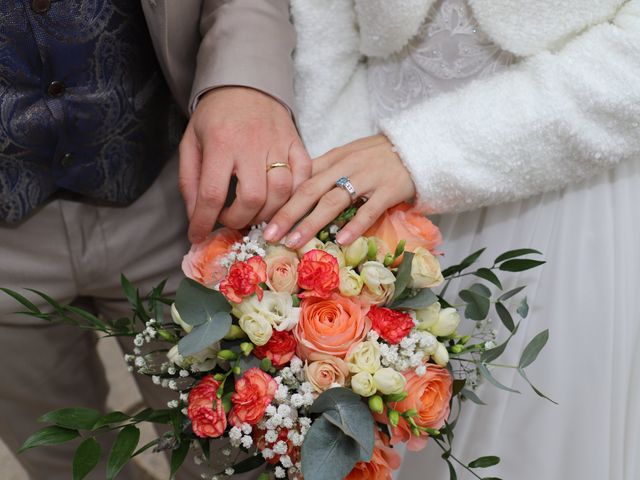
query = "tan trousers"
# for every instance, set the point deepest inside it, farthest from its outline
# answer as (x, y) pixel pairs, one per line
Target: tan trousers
(72, 250)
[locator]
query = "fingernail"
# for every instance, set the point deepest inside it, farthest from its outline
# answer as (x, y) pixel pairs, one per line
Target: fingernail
(270, 232)
(293, 240)
(343, 237)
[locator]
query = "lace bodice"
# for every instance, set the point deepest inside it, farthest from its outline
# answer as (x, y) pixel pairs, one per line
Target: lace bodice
(448, 52)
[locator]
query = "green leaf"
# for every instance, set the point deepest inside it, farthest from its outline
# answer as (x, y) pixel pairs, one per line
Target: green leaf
(422, 299)
(49, 436)
(510, 293)
(520, 265)
(206, 334)
(122, 450)
(328, 453)
(89, 317)
(533, 387)
(492, 354)
(465, 263)
(129, 290)
(154, 416)
(403, 277)
(484, 462)
(248, 464)
(74, 418)
(458, 385)
(532, 350)
(110, 419)
(86, 458)
(523, 308)
(477, 305)
(177, 457)
(480, 290)
(21, 299)
(198, 304)
(452, 471)
(489, 276)
(471, 395)
(516, 253)
(491, 379)
(505, 316)
(345, 410)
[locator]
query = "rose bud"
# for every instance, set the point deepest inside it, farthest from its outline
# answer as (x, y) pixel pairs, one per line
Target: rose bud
(350, 282)
(425, 270)
(441, 357)
(376, 405)
(356, 253)
(362, 384)
(388, 381)
(448, 321)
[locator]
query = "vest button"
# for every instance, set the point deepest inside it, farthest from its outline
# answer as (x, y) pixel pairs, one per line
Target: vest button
(41, 6)
(67, 160)
(55, 89)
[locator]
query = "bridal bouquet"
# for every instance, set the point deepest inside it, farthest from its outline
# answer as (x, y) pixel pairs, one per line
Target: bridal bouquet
(310, 363)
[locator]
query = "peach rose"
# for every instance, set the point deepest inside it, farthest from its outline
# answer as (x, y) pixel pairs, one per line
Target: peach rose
(254, 392)
(202, 262)
(429, 395)
(403, 223)
(383, 461)
(325, 372)
(282, 270)
(329, 327)
(205, 409)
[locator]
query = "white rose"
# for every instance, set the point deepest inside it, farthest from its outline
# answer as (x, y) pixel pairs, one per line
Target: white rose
(356, 253)
(313, 244)
(425, 270)
(203, 361)
(364, 357)
(256, 327)
(376, 277)
(277, 308)
(362, 384)
(178, 320)
(334, 250)
(448, 321)
(441, 357)
(389, 382)
(428, 317)
(350, 282)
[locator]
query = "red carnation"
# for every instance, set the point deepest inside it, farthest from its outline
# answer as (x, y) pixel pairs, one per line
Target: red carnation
(318, 274)
(391, 325)
(254, 392)
(205, 409)
(244, 279)
(279, 349)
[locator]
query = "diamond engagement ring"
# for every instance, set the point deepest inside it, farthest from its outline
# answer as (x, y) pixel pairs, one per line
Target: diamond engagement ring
(345, 184)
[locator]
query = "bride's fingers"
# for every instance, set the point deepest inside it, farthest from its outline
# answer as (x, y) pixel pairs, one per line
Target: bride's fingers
(367, 215)
(328, 159)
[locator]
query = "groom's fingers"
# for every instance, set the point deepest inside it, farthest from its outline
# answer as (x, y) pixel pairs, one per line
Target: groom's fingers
(251, 192)
(189, 173)
(279, 188)
(217, 167)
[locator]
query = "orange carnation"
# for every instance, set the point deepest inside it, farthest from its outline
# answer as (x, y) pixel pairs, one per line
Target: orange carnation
(318, 274)
(244, 279)
(329, 327)
(254, 392)
(384, 460)
(205, 409)
(403, 223)
(202, 262)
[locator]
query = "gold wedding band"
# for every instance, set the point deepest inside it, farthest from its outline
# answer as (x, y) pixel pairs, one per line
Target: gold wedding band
(277, 165)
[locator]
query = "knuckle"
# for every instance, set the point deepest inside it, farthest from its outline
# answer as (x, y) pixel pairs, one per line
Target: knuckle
(332, 201)
(281, 188)
(253, 199)
(212, 194)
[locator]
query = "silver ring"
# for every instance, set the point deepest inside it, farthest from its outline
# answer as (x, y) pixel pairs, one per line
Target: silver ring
(345, 184)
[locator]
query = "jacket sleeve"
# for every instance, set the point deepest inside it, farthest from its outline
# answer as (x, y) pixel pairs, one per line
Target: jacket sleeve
(246, 43)
(554, 119)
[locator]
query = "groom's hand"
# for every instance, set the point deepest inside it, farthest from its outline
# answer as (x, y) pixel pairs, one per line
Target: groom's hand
(238, 131)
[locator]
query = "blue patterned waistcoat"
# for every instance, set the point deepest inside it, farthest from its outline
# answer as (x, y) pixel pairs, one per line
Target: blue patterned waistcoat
(84, 109)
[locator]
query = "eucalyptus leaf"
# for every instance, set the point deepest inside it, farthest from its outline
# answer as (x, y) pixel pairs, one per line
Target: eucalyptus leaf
(206, 334)
(477, 305)
(74, 418)
(523, 308)
(471, 395)
(532, 350)
(403, 277)
(53, 435)
(491, 379)
(484, 462)
(198, 304)
(489, 276)
(533, 387)
(480, 290)
(520, 252)
(122, 450)
(328, 453)
(520, 265)
(86, 458)
(505, 316)
(422, 299)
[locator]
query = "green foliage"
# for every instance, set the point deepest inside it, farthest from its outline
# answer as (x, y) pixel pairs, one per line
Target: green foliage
(198, 304)
(484, 462)
(477, 304)
(177, 457)
(422, 299)
(122, 450)
(73, 418)
(489, 276)
(110, 419)
(520, 252)
(205, 334)
(403, 277)
(53, 435)
(86, 458)
(531, 351)
(520, 265)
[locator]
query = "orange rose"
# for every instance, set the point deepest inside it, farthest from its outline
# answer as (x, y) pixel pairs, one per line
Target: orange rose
(282, 270)
(205, 409)
(429, 395)
(383, 460)
(403, 223)
(329, 327)
(325, 372)
(254, 392)
(202, 262)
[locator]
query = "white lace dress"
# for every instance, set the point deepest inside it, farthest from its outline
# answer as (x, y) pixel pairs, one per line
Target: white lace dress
(587, 293)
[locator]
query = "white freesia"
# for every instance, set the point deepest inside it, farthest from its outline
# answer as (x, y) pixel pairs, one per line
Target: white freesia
(363, 384)
(313, 244)
(203, 361)
(441, 357)
(448, 321)
(177, 319)
(334, 250)
(428, 317)
(365, 357)
(350, 282)
(356, 253)
(425, 270)
(376, 276)
(277, 308)
(389, 382)
(256, 327)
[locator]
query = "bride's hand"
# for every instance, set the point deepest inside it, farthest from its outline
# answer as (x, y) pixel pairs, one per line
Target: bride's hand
(376, 173)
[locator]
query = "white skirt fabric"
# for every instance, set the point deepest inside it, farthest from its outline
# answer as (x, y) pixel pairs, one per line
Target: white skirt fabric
(588, 296)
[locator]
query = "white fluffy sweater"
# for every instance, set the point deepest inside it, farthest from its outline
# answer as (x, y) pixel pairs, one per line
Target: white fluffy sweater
(568, 110)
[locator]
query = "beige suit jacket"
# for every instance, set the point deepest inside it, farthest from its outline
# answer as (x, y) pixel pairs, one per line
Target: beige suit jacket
(203, 44)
